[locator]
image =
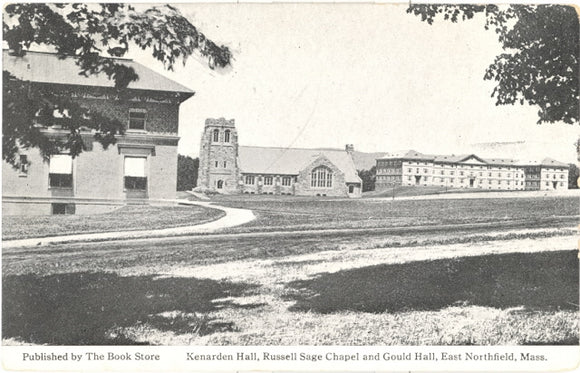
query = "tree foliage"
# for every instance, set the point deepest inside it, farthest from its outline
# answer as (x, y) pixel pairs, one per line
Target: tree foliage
(187, 169)
(539, 65)
(368, 178)
(573, 176)
(89, 33)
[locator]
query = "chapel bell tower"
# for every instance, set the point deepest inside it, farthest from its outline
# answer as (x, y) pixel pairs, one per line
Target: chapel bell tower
(218, 156)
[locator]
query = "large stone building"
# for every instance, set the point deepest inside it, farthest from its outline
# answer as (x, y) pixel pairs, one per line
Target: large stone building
(141, 167)
(227, 167)
(469, 171)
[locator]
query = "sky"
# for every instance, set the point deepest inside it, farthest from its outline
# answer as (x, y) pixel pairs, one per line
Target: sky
(326, 75)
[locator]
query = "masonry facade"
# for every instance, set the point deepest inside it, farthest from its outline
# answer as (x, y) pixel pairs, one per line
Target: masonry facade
(227, 167)
(140, 168)
(469, 171)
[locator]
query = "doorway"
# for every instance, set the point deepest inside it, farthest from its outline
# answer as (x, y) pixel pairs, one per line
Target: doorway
(417, 180)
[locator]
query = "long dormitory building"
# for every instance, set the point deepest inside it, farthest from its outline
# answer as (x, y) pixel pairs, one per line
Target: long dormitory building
(411, 168)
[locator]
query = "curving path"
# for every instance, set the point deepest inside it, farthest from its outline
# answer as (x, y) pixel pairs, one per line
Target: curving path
(233, 217)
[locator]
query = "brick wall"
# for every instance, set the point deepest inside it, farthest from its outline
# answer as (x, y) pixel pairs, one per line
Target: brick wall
(161, 117)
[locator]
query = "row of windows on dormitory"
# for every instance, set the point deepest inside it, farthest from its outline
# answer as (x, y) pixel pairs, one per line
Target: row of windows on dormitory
(217, 136)
(462, 173)
(385, 165)
(463, 180)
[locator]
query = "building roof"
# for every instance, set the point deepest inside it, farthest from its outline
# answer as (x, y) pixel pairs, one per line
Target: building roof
(415, 155)
(553, 163)
(44, 67)
(290, 161)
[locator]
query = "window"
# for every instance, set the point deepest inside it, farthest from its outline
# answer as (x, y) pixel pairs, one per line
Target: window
(23, 165)
(135, 177)
(250, 179)
(268, 180)
(321, 177)
(217, 164)
(137, 118)
(461, 173)
(216, 135)
(225, 164)
(63, 208)
(227, 136)
(286, 181)
(60, 171)
(351, 189)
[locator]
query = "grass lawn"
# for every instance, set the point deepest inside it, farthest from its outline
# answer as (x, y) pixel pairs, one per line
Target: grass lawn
(289, 213)
(126, 218)
(459, 285)
(400, 290)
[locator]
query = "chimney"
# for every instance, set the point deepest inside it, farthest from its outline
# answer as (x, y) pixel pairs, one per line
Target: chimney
(349, 148)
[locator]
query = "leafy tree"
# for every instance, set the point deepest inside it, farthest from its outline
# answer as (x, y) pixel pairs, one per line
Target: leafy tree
(368, 178)
(573, 175)
(88, 33)
(541, 52)
(187, 169)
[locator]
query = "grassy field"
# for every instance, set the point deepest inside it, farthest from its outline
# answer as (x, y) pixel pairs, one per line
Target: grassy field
(501, 285)
(288, 213)
(126, 218)
(246, 291)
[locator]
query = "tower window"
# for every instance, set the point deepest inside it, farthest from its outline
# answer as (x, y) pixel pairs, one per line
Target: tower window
(216, 135)
(227, 136)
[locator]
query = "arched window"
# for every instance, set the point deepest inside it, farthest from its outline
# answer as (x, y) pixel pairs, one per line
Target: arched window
(227, 136)
(321, 177)
(220, 184)
(216, 135)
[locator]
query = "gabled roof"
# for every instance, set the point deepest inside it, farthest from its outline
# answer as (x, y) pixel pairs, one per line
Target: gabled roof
(553, 163)
(408, 154)
(290, 161)
(415, 155)
(43, 67)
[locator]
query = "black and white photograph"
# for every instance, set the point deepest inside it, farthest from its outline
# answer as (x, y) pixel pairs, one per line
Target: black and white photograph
(315, 175)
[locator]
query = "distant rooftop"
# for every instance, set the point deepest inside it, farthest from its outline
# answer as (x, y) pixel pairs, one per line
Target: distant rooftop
(45, 67)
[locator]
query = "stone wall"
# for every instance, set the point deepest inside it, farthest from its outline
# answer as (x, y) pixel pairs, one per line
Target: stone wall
(338, 189)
